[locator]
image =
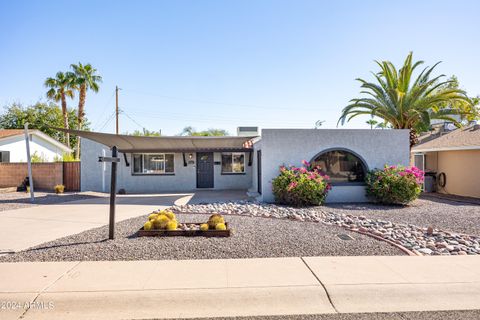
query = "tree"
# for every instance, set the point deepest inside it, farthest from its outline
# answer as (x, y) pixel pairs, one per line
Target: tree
(61, 87)
(85, 78)
(41, 116)
(382, 125)
(470, 110)
(190, 131)
(146, 133)
(371, 122)
(403, 104)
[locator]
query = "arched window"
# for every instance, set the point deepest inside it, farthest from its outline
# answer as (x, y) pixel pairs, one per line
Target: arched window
(341, 165)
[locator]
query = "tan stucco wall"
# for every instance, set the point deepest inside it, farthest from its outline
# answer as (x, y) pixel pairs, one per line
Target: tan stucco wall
(462, 169)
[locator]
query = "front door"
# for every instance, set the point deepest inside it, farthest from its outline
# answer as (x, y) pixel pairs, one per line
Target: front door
(204, 169)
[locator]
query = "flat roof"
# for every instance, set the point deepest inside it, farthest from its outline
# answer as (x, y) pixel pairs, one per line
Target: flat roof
(142, 144)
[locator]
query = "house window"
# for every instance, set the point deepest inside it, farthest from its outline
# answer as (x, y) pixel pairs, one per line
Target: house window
(233, 162)
(4, 156)
(149, 163)
(419, 161)
(342, 166)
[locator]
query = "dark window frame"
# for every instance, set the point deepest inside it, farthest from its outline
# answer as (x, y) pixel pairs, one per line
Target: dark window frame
(233, 172)
(141, 173)
(5, 159)
(353, 153)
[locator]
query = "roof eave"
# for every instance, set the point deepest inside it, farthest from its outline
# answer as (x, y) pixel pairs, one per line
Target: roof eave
(186, 150)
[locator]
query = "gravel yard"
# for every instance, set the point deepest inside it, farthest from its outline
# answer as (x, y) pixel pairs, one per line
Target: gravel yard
(266, 230)
(253, 237)
(429, 226)
(18, 200)
(423, 315)
(456, 216)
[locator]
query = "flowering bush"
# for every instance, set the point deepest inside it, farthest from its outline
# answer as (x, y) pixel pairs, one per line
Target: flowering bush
(301, 186)
(394, 184)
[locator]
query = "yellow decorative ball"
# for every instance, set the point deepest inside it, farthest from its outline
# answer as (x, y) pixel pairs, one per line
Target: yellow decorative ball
(153, 216)
(214, 220)
(172, 225)
(148, 226)
(220, 226)
(204, 226)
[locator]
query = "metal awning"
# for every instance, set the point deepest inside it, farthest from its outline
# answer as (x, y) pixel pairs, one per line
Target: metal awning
(141, 144)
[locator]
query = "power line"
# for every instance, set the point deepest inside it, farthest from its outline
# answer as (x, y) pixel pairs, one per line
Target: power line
(104, 109)
(112, 116)
(198, 118)
(224, 103)
(133, 120)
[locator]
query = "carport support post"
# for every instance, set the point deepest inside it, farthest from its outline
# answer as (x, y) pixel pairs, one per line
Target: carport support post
(113, 189)
(29, 163)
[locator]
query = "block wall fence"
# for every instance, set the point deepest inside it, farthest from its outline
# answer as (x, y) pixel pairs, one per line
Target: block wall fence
(45, 175)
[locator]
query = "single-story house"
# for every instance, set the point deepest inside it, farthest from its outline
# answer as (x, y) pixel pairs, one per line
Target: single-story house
(249, 162)
(13, 147)
(453, 157)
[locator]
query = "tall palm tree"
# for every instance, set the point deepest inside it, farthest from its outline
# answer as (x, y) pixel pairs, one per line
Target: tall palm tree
(404, 102)
(61, 87)
(85, 78)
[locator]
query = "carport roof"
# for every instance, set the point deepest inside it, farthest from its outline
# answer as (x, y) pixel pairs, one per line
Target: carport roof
(142, 144)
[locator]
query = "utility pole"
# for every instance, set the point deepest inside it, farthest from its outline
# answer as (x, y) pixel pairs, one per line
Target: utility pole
(116, 108)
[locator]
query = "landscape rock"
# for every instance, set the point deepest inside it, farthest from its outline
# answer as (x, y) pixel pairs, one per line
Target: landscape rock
(420, 240)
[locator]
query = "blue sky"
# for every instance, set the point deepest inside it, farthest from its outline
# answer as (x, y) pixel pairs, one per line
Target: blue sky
(228, 63)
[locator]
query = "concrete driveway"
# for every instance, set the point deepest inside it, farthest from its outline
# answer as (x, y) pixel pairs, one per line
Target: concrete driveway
(24, 228)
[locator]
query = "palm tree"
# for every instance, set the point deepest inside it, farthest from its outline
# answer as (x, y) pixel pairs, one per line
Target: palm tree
(371, 122)
(85, 78)
(61, 87)
(406, 105)
(382, 125)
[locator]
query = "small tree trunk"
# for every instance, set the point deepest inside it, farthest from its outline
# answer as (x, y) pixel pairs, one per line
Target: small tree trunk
(81, 106)
(65, 119)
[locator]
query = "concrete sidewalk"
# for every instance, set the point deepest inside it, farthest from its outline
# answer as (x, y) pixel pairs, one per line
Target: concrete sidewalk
(239, 287)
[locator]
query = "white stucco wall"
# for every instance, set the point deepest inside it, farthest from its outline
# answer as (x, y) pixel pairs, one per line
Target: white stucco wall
(18, 151)
(96, 176)
(291, 146)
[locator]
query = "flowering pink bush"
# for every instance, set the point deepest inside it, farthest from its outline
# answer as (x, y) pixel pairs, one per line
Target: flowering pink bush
(395, 184)
(301, 186)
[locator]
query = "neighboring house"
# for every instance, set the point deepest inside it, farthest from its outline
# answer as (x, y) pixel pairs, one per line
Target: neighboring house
(248, 162)
(453, 157)
(13, 147)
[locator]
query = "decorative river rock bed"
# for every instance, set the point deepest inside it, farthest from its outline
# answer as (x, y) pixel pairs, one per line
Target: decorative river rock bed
(413, 239)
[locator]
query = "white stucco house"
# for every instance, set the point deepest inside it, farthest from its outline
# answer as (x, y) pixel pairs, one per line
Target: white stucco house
(13, 147)
(246, 161)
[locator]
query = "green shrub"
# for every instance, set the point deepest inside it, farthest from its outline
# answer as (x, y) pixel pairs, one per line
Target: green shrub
(301, 186)
(394, 184)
